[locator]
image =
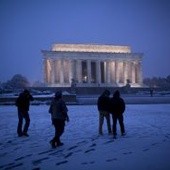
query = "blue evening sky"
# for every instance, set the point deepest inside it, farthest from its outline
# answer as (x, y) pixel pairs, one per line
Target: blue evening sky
(29, 26)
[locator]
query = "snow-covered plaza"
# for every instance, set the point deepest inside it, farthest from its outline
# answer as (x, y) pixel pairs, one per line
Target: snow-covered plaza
(146, 145)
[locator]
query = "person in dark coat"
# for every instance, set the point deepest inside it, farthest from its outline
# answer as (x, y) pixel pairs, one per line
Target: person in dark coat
(58, 111)
(23, 104)
(117, 109)
(103, 108)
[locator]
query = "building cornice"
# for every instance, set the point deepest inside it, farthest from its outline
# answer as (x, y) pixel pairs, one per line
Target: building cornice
(91, 55)
(91, 48)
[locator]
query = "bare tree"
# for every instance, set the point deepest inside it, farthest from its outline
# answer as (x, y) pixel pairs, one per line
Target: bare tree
(17, 82)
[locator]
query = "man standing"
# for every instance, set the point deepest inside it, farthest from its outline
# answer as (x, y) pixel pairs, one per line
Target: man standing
(103, 104)
(58, 111)
(117, 109)
(23, 103)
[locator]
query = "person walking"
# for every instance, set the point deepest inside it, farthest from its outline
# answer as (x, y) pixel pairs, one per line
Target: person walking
(103, 108)
(117, 109)
(58, 111)
(23, 104)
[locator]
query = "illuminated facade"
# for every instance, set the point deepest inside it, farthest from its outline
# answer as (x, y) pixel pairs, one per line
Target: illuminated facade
(91, 65)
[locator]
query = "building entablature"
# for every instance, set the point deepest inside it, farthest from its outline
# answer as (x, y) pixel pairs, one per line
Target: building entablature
(91, 48)
(91, 56)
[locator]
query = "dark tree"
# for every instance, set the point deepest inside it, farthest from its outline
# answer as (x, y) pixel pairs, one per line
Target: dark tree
(17, 82)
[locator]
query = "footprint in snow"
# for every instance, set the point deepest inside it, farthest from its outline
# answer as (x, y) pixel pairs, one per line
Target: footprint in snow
(110, 160)
(62, 162)
(68, 155)
(90, 150)
(127, 153)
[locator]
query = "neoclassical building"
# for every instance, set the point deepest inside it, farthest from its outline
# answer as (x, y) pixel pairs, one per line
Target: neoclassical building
(89, 65)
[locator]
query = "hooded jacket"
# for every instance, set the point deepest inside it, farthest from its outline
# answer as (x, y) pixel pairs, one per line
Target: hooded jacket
(58, 109)
(117, 104)
(23, 101)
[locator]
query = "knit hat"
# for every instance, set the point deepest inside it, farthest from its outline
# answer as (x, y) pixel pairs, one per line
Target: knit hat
(106, 93)
(58, 94)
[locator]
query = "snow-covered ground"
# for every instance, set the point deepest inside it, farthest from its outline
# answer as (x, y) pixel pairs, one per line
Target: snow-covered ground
(146, 145)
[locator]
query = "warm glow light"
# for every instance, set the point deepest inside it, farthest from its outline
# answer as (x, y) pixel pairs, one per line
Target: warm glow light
(91, 48)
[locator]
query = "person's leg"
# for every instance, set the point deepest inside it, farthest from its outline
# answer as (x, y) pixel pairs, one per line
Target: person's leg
(114, 125)
(107, 116)
(60, 130)
(20, 121)
(27, 123)
(101, 120)
(53, 141)
(122, 128)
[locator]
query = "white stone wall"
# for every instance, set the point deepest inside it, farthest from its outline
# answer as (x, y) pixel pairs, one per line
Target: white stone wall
(61, 67)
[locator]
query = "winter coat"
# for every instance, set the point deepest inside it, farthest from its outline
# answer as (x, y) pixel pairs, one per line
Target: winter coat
(58, 109)
(103, 103)
(23, 102)
(117, 105)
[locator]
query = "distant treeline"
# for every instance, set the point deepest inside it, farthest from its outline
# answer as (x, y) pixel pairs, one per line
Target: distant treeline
(19, 81)
(157, 82)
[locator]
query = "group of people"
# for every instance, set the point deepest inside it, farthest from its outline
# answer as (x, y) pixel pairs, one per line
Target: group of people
(58, 110)
(111, 106)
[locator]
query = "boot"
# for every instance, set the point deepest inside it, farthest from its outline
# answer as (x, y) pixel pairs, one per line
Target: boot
(53, 144)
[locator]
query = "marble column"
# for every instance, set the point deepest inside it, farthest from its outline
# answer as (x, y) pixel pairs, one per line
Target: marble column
(45, 70)
(133, 72)
(57, 71)
(61, 72)
(140, 76)
(138, 71)
(112, 71)
(98, 72)
(108, 72)
(125, 65)
(119, 73)
(74, 69)
(66, 71)
(70, 72)
(129, 65)
(116, 71)
(52, 71)
(79, 71)
(89, 71)
(49, 70)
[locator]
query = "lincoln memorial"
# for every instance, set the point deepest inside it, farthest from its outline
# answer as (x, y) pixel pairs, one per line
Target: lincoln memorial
(87, 65)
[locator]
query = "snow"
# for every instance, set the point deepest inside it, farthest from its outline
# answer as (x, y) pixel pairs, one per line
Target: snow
(146, 145)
